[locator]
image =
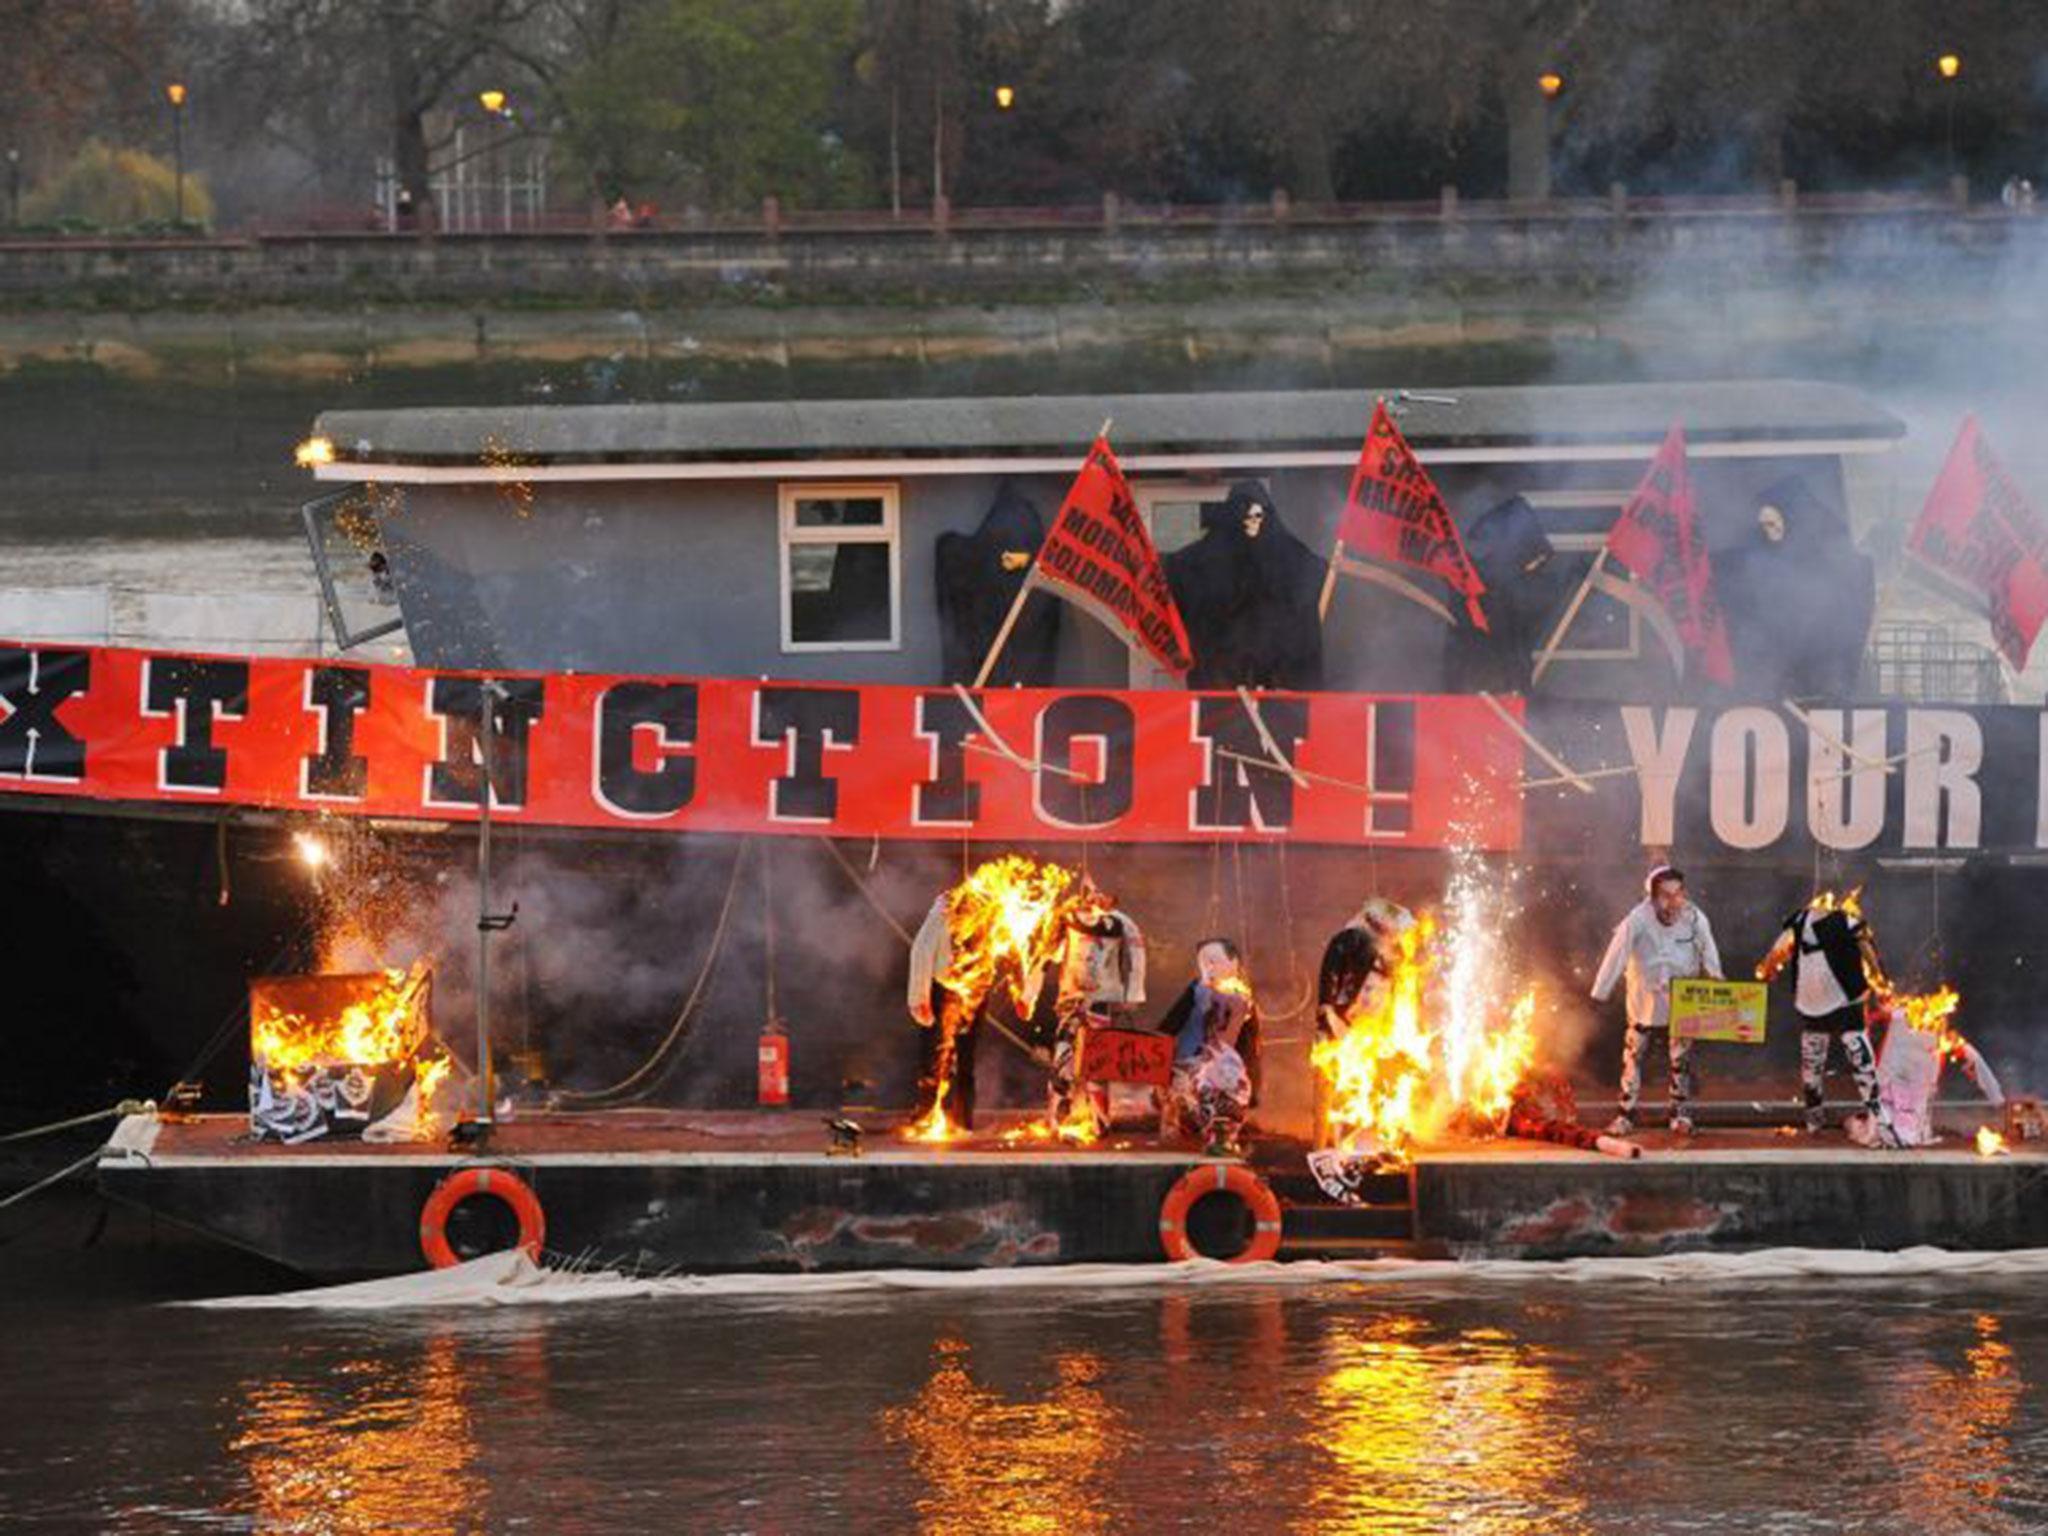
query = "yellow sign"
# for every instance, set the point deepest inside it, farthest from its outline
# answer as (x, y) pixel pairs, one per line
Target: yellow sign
(1719, 1010)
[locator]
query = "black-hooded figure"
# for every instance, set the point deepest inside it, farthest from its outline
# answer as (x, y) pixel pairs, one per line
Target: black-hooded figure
(1799, 598)
(1524, 591)
(978, 575)
(1247, 590)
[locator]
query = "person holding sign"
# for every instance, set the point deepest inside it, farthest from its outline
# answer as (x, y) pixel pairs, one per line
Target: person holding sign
(1663, 939)
(1833, 956)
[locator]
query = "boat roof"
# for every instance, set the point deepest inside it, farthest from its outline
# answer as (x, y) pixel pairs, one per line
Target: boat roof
(1028, 432)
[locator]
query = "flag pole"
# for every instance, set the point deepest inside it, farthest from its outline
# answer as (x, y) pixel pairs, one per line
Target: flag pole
(1329, 583)
(988, 662)
(1571, 612)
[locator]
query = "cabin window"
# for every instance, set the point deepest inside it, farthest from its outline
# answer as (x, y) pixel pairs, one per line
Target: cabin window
(1605, 628)
(841, 568)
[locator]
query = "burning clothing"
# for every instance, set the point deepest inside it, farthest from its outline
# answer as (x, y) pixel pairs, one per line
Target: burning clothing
(1102, 974)
(1833, 956)
(1354, 964)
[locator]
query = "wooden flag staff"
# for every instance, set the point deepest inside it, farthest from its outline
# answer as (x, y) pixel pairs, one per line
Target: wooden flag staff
(1571, 613)
(988, 662)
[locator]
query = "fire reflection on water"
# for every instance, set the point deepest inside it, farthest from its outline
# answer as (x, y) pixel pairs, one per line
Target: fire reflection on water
(1418, 1430)
(372, 1445)
(1950, 1435)
(1009, 1467)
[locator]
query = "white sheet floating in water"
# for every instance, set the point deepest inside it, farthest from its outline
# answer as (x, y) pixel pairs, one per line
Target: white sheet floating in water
(511, 1279)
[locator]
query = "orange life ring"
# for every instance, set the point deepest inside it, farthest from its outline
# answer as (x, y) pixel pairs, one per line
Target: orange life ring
(1236, 1179)
(500, 1184)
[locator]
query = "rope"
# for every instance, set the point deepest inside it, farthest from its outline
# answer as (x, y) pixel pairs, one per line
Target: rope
(56, 1178)
(603, 1097)
(125, 1107)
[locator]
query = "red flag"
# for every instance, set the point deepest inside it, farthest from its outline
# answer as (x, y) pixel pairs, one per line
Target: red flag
(1978, 531)
(1099, 555)
(1395, 513)
(1657, 539)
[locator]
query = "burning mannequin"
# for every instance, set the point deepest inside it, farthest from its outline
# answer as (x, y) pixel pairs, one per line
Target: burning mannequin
(1215, 1025)
(1102, 975)
(1835, 968)
(1354, 968)
(1247, 590)
(1664, 938)
(998, 926)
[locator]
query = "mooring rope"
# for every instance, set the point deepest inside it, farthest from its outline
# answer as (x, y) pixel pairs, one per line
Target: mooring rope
(56, 1178)
(624, 1090)
(125, 1107)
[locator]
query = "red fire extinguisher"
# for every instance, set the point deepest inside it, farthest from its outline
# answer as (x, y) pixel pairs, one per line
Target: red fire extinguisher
(774, 1065)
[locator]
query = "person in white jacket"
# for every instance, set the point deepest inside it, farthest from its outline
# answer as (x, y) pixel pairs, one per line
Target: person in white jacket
(1664, 938)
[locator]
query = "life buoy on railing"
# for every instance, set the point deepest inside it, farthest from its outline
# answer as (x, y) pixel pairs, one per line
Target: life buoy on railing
(1231, 1178)
(499, 1184)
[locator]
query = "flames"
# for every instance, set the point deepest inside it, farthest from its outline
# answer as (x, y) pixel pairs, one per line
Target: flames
(1930, 1013)
(382, 1025)
(1990, 1143)
(933, 1125)
(1850, 903)
(1005, 923)
(1431, 1046)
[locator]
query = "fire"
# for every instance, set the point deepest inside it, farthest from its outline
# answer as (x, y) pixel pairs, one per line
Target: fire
(1427, 1049)
(384, 1026)
(1930, 1013)
(933, 1125)
(1990, 1143)
(1005, 923)
(1829, 901)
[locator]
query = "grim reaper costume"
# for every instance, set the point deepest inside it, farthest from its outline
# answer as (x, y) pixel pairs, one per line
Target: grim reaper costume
(1247, 590)
(978, 576)
(1524, 591)
(1799, 598)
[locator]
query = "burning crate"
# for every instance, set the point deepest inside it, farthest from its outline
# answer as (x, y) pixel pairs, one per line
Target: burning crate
(342, 1055)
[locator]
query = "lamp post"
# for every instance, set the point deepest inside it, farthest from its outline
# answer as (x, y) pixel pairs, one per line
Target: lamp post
(14, 189)
(1949, 66)
(497, 109)
(176, 92)
(1551, 84)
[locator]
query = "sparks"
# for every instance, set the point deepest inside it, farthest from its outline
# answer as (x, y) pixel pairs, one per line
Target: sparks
(313, 850)
(314, 452)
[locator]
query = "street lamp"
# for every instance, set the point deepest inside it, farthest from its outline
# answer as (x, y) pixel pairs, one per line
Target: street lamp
(14, 189)
(176, 92)
(1550, 82)
(492, 102)
(1949, 66)
(1006, 97)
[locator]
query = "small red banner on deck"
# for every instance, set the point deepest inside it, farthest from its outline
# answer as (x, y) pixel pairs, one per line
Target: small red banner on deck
(1125, 1056)
(738, 755)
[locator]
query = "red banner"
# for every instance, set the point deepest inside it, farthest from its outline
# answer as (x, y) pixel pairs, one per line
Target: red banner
(1395, 513)
(1979, 532)
(1100, 555)
(731, 755)
(1657, 539)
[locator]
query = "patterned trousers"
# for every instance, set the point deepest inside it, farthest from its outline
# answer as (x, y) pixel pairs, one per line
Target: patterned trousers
(1634, 1045)
(1856, 1050)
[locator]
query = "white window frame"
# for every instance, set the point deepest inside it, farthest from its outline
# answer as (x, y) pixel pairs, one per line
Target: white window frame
(787, 495)
(1589, 544)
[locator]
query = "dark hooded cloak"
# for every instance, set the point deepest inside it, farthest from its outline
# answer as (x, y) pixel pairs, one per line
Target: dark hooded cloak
(1249, 601)
(1524, 593)
(975, 593)
(1798, 608)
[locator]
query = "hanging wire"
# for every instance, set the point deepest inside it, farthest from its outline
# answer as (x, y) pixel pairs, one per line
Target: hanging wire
(768, 925)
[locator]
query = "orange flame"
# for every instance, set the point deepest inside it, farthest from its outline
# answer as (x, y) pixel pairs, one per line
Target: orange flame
(1990, 1143)
(1005, 923)
(1396, 1074)
(1930, 1013)
(933, 1126)
(385, 1026)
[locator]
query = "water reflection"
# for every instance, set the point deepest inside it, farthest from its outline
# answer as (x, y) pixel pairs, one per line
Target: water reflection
(1949, 1428)
(990, 1463)
(1419, 1428)
(376, 1444)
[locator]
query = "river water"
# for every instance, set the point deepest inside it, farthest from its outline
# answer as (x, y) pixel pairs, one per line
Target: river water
(1537, 1404)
